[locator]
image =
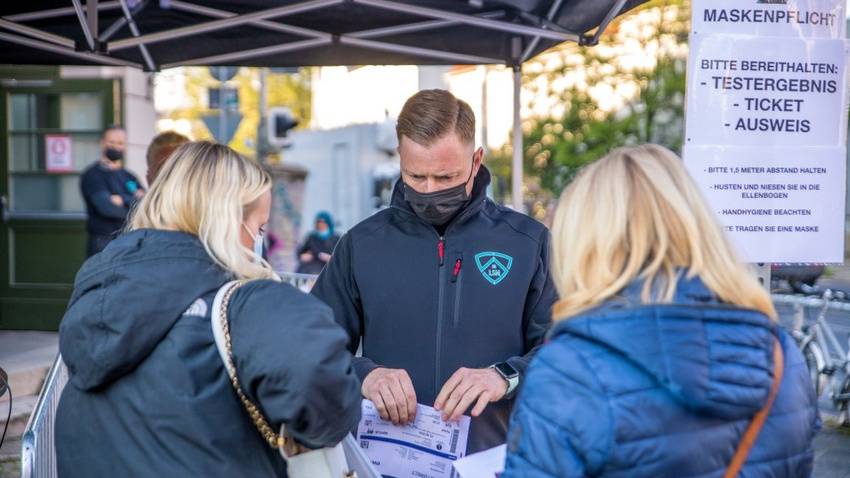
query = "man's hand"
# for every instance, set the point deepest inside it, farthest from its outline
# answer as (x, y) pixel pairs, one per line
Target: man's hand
(117, 200)
(393, 394)
(324, 256)
(468, 385)
(140, 193)
(306, 257)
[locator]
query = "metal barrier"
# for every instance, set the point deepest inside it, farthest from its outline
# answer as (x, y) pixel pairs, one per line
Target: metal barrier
(38, 455)
(303, 282)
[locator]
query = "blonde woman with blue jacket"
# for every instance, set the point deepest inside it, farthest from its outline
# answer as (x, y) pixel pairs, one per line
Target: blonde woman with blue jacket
(662, 348)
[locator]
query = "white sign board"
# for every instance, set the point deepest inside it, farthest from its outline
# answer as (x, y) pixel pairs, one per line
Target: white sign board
(58, 153)
(766, 18)
(766, 124)
(776, 203)
(766, 91)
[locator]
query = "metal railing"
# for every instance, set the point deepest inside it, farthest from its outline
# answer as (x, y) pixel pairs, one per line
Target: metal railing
(303, 282)
(38, 454)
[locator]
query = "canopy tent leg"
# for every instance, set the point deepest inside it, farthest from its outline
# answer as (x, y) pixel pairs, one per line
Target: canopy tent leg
(516, 168)
(88, 20)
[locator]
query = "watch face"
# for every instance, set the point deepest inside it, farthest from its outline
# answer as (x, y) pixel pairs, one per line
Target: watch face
(506, 369)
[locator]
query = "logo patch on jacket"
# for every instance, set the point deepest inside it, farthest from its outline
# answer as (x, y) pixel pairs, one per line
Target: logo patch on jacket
(198, 308)
(494, 266)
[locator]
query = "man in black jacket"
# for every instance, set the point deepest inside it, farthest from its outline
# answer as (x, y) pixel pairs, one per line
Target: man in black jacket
(449, 292)
(109, 190)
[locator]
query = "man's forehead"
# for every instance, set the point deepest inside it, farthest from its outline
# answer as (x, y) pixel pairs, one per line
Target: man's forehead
(114, 135)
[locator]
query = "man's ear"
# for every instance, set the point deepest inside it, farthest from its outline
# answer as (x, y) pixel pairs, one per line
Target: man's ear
(477, 159)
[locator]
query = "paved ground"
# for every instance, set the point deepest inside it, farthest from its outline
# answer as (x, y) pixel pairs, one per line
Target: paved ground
(832, 452)
(832, 445)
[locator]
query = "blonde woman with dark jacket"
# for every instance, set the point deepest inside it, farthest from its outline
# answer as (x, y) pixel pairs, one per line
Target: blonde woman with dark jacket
(148, 393)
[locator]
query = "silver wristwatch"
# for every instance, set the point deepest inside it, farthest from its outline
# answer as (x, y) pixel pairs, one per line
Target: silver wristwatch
(509, 373)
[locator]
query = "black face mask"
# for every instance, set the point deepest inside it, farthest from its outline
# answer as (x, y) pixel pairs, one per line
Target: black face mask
(113, 154)
(439, 207)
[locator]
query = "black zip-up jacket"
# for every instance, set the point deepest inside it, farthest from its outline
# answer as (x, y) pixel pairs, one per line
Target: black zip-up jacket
(148, 393)
(430, 304)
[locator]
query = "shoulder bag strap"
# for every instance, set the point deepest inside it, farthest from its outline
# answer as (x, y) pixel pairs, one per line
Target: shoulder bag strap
(753, 429)
(221, 333)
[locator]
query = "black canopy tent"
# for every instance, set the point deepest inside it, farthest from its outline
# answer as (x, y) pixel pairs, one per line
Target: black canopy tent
(157, 34)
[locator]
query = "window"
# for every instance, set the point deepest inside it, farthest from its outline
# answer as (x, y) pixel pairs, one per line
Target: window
(33, 116)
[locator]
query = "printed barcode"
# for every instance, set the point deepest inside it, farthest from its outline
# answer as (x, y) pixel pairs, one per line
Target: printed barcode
(453, 445)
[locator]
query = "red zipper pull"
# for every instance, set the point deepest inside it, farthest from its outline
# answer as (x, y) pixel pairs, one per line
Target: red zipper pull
(457, 270)
(440, 248)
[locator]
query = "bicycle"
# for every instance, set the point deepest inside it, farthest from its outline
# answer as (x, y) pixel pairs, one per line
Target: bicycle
(828, 362)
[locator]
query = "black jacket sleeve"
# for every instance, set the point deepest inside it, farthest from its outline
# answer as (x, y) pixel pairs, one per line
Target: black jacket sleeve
(95, 187)
(291, 360)
(337, 288)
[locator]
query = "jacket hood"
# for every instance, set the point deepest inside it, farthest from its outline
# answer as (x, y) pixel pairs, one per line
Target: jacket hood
(717, 359)
(127, 298)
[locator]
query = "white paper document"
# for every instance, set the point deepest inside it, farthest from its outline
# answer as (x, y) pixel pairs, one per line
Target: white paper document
(484, 464)
(424, 448)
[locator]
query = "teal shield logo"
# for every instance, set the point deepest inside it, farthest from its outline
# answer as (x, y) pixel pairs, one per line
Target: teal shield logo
(494, 266)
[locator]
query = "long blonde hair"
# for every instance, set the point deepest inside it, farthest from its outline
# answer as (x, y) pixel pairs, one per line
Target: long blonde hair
(637, 214)
(206, 189)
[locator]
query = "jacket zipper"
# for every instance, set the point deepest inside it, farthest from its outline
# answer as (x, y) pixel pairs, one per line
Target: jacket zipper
(440, 297)
(456, 279)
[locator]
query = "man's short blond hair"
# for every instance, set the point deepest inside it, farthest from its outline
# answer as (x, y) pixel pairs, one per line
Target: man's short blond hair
(431, 114)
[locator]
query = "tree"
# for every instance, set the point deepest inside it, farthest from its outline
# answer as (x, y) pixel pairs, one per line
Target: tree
(628, 89)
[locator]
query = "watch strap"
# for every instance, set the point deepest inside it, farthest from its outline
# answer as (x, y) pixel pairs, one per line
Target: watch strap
(513, 381)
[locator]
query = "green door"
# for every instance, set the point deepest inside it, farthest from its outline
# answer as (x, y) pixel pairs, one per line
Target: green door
(51, 130)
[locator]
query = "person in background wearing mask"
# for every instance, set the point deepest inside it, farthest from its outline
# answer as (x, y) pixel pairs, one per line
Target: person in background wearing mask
(160, 148)
(318, 246)
(449, 291)
(109, 190)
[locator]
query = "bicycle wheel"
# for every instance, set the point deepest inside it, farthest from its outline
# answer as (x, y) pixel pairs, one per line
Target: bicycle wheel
(815, 363)
(843, 417)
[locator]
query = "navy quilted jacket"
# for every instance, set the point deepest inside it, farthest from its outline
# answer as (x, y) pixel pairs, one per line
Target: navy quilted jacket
(661, 390)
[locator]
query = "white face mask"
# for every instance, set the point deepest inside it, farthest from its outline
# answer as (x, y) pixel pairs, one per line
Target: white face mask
(258, 241)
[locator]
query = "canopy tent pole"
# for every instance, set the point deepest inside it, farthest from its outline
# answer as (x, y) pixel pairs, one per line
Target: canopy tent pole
(70, 52)
(516, 168)
(135, 31)
(222, 23)
(473, 20)
(608, 19)
(38, 34)
(85, 23)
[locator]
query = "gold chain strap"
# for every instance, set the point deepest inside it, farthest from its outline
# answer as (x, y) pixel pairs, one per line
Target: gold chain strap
(274, 440)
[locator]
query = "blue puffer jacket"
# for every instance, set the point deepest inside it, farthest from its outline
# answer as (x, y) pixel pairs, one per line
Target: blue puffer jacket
(661, 390)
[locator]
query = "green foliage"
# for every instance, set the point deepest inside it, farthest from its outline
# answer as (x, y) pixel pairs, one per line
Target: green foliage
(628, 89)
